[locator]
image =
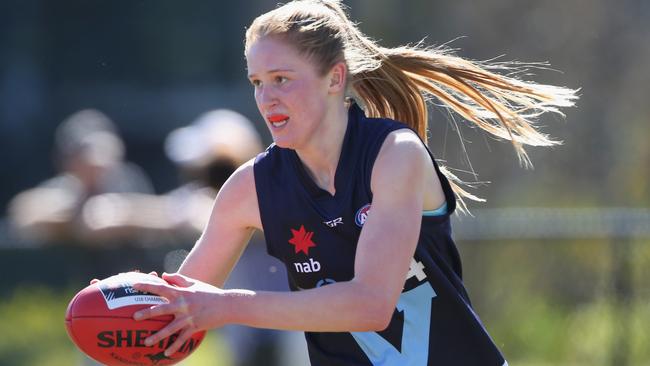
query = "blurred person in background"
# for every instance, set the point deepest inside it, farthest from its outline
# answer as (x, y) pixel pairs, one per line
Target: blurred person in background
(205, 153)
(90, 158)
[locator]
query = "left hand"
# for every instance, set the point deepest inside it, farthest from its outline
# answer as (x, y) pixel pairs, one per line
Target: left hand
(194, 305)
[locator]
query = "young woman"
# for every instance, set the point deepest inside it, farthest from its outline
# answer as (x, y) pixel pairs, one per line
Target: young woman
(349, 198)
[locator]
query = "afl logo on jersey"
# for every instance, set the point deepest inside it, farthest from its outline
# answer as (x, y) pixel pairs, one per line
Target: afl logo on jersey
(362, 215)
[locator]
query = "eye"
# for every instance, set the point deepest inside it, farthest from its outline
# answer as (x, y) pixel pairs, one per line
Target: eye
(255, 82)
(280, 79)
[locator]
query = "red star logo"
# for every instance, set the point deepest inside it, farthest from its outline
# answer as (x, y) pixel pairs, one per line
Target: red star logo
(302, 239)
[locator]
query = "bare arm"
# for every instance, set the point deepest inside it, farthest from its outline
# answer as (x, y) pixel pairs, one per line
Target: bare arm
(235, 215)
(366, 302)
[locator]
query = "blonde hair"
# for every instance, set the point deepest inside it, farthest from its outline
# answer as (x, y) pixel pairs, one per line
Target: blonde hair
(398, 82)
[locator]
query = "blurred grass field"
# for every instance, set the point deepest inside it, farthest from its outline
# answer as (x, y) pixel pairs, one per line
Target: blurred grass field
(562, 302)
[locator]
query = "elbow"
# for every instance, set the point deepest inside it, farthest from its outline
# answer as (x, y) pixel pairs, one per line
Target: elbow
(377, 326)
(376, 314)
(381, 319)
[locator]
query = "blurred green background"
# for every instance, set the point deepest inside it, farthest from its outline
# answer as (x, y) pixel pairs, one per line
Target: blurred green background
(556, 261)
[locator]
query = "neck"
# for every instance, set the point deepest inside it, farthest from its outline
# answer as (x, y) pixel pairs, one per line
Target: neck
(321, 156)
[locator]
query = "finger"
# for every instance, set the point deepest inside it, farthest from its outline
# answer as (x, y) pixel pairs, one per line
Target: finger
(164, 332)
(154, 273)
(177, 279)
(155, 311)
(178, 343)
(159, 289)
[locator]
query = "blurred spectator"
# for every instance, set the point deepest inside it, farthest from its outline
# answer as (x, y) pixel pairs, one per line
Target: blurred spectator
(206, 152)
(90, 158)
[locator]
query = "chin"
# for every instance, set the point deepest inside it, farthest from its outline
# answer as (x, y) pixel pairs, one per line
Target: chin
(283, 143)
(289, 141)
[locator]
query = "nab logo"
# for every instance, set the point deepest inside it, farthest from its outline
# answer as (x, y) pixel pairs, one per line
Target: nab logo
(301, 240)
(308, 267)
(335, 222)
(362, 215)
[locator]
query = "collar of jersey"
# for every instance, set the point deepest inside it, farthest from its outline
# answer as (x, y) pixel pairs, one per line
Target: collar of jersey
(344, 167)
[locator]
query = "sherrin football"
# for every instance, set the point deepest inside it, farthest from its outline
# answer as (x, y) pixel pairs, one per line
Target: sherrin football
(99, 320)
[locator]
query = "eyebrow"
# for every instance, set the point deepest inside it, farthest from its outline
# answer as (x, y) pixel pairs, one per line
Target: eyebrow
(272, 71)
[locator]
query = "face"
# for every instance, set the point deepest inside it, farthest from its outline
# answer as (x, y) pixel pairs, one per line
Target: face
(289, 92)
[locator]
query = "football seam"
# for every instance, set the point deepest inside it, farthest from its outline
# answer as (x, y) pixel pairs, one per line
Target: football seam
(71, 330)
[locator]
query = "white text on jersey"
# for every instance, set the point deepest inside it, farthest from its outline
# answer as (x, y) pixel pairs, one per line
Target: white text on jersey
(308, 267)
(333, 223)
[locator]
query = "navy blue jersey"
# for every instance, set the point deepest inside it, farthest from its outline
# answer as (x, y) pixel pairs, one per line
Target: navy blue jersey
(315, 235)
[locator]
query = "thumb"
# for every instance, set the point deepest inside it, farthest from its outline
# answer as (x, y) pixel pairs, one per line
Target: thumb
(177, 279)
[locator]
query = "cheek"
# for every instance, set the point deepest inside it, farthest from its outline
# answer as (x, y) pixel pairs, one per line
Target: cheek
(303, 95)
(293, 90)
(258, 101)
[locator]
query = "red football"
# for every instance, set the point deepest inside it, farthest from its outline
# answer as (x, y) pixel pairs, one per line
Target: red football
(99, 320)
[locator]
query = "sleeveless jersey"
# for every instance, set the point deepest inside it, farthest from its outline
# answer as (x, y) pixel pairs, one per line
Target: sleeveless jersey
(315, 235)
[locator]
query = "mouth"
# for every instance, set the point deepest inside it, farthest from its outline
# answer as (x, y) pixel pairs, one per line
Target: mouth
(278, 120)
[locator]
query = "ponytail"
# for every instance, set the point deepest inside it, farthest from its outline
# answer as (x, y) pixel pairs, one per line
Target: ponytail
(397, 83)
(502, 105)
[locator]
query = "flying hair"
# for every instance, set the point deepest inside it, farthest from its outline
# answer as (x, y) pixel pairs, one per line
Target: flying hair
(398, 83)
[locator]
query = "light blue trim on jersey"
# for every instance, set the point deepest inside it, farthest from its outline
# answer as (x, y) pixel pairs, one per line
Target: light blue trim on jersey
(437, 212)
(416, 305)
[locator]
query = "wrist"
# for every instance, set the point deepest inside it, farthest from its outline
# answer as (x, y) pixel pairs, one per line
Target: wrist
(237, 306)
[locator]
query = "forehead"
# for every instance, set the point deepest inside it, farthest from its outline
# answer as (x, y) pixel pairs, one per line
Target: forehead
(267, 54)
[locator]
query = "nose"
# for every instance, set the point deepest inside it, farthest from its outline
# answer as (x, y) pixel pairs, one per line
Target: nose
(266, 97)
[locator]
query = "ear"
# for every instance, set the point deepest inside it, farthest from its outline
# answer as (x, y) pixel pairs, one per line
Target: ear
(337, 77)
